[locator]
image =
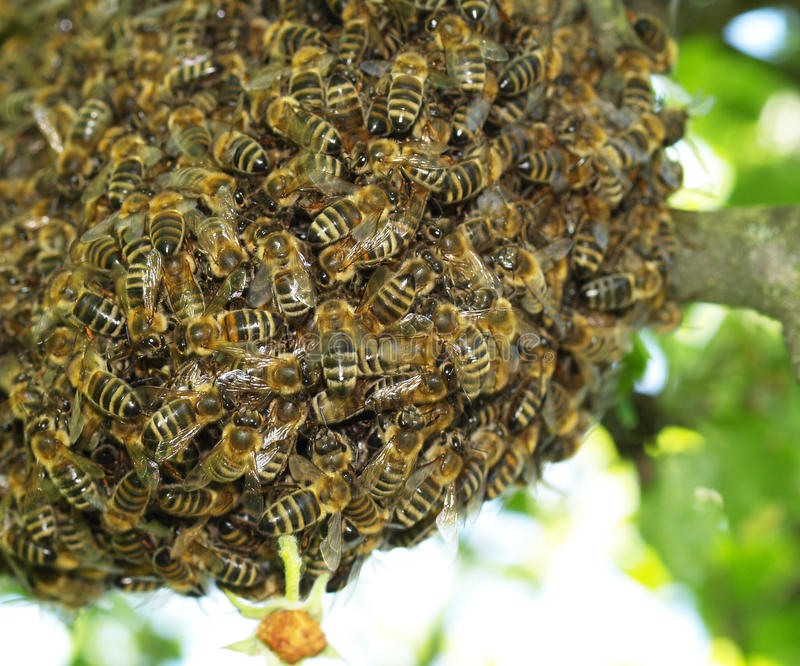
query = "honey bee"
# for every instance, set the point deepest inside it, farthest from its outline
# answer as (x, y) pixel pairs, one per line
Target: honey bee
(15, 542)
(595, 340)
(309, 65)
(262, 377)
(479, 169)
(288, 119)
(408, 74)
(183, 291)
(637, 94)
(289, 275)
(78, 306)
(176, 573)
(105, 391)
(634, 146)
(188, 129)
(338, 334)
(485, 447)
(466, 52)
(386, 472)
(367, 205)
(467, 347)
(654, 35)
(431, 488)
(283, 421)
(306, 171)
(378, 123)
(355, 32)
(238, 450)
(189, 72)
(166, 224)
(216, 236)
(28, 489)
(239, 152)
(285, 38)
(91, 121)
(127, 504)
(471, 115)
(618, 291)
(523, 71)
(170, 428)
(526, 400)
(515, 461)
(330, 410)
(424, 387)
(591, 239)
(464, 269)
(474, 10)
(523, 269)
(390, 295)
(139, 289)
(228, 567)
(416, 160)
(72, 474)
(343, 104)
(130, 157)
(197, 503)
(326, 493)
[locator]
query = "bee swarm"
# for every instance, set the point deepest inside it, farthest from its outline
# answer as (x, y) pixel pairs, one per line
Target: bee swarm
(339, 270)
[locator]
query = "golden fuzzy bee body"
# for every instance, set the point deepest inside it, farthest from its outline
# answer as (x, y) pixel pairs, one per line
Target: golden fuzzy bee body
(293, 289)
(240, 152)
(288, 119)
(338, 337)
(127, 504)
(189, 131)
(423, 497)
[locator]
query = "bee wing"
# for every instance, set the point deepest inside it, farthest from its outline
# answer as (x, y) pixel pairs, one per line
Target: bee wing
(331, 545)
(90, 467)
(374, 468)
(200, 476)
(232, 287)
(376, 68)
(47, 126)
(447, 519)
(151, 277)
(169, 448)
(259, 291)
(302, 469)
(491, 50)
(267, 76)
(146, 469)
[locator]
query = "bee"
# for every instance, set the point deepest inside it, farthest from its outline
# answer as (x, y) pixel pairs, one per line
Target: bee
(283, 421)
(289, 275)
(634, 146)
(591, 239)
(227, 567)
(215, 187)
(343, 104)
(91, 121)
(484, 449)
(105, 391)
(83, 308)
(189, 72)
(309, 65)
(240, 152)
(140, 289)
(197, 503)
(102, 252)
(526, 401)
(637, 94)
(618, 291)
(287, 118)
(424, 387)
(408, 74)
(170, 428)
(306, 170)
(522, 269)
(72, 474)
(471, 115)
(237, 532)
(610, 184)
(389, 295)
(467, 347)
(654, 35)
(523, 71)
(262, 377)
(514, 462)
(431, 489)
(387, 471)
(237, 450)
(416, 160)
(326, 493)
(371, 244)
(15, 542)
(367, 205)
(466, 52)
(127, 504)
(285, 38)
(216, 236)
(208, 333)
(378, 122)
(330, 410)
(166, 224)
(464, 269)
(183, 292)
(355, 32)
(480, 169)
(176, 573)
(338, 335)
(27, 487)
(188, 129)
(129, 159)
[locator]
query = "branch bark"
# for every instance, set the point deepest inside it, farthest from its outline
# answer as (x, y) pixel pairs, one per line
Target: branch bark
(743, 257)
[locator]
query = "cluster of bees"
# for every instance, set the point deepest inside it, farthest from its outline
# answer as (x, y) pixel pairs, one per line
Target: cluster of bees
(341, 269)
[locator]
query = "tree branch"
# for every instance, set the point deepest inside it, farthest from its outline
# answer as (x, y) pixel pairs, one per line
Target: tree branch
(743, 257)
